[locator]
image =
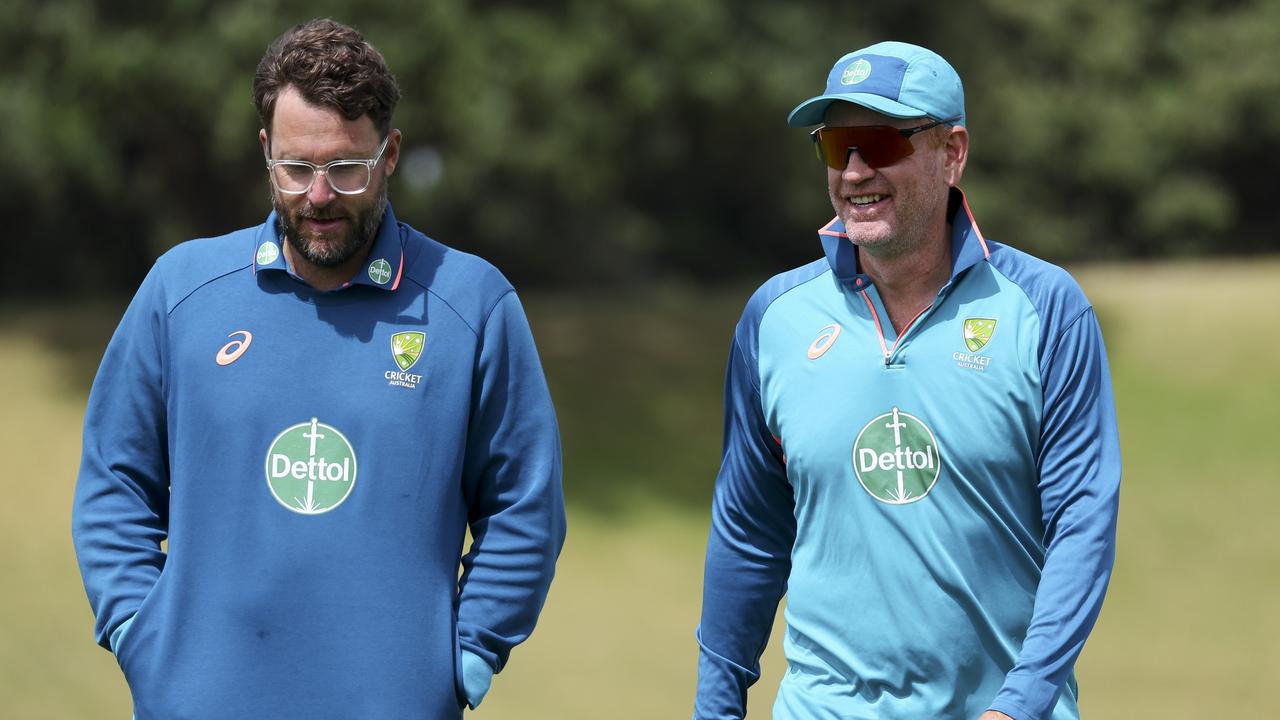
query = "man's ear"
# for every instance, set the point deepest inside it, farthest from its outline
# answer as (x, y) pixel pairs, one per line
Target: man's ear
(957, 154)
(392, 154)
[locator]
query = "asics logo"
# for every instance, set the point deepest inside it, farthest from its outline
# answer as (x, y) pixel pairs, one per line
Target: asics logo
(826, 338)
(232, 351)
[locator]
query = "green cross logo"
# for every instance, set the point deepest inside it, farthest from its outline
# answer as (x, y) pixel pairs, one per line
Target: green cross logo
(380, 271)
(311, 468)
(267, 253)
(406, 348)
(856, 73)
(896, 458)
(978, 332)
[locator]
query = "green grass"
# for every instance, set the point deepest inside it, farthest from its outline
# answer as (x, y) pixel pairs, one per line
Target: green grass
(49, 665)
(1189, 629)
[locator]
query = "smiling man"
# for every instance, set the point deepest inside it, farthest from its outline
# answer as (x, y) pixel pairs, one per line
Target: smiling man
(313, 413)
(920, 441)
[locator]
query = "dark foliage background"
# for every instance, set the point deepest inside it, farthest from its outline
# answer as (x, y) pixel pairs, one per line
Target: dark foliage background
(578, 142)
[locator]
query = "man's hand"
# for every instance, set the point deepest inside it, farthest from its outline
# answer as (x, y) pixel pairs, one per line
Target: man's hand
(993, 715)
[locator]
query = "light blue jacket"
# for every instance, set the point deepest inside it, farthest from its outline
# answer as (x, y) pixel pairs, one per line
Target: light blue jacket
(939, 508)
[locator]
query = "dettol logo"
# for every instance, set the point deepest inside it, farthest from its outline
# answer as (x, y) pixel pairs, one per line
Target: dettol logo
(896, 458)
(267, 253)
(380, 271)
(856, 73)
(311, 468)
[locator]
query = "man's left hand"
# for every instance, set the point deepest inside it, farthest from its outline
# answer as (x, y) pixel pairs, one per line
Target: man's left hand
(994, 715)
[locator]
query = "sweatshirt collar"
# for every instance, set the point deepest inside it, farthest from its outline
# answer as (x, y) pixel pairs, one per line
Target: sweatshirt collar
(383, 268)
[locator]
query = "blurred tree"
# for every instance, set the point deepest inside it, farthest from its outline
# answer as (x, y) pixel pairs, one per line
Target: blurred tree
(580, 142)
(1145, 128)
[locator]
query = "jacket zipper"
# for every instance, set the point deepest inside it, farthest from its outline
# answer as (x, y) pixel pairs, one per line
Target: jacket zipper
(884, 346)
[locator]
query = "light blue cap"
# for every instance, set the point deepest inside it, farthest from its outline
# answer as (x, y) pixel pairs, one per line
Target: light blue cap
(893, 78)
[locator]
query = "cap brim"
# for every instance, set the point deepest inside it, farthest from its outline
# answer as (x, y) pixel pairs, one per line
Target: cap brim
(811, 111)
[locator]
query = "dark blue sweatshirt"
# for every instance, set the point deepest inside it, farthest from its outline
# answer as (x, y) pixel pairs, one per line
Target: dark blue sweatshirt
(314, 460)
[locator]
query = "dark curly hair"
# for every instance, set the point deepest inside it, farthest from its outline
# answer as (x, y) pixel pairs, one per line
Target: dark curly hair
(332, 65)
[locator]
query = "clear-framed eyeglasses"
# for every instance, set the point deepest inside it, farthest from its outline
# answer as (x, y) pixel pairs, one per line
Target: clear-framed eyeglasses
(348, 177)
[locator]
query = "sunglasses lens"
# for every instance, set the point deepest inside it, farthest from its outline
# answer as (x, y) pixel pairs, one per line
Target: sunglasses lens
(878, 145)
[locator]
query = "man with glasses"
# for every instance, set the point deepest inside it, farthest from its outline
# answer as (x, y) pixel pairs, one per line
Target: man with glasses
(313, 413)
(920, 443)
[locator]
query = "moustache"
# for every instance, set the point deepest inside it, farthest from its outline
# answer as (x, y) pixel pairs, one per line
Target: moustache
(310, 212)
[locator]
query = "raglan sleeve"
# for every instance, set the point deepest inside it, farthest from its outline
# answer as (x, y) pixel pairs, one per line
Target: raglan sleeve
(512, 483)
(749, 547)
(1079, 482)
(120, 508)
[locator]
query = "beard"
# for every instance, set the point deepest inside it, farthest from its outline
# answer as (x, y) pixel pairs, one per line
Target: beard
(331, 249)
(901, 233)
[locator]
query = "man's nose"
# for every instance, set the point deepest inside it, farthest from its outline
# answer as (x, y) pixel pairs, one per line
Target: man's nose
(321, 192)
(855, 168)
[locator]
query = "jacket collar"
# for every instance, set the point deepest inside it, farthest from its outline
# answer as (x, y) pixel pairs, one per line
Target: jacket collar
(968, 246)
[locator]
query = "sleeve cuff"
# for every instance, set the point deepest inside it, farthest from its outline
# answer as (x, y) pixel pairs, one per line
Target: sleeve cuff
(477, 676)
(1026, 697)
(118, 634)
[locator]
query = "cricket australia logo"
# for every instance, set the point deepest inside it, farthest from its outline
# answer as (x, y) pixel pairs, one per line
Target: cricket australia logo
(406, 348)
(896, 458)
(311, 468)
(977, 333)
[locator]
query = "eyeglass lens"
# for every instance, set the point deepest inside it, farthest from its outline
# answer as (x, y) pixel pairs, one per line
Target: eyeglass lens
(344, 177)
(878, 145)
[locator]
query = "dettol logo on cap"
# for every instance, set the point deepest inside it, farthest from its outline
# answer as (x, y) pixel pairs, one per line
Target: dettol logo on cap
(311, 468)
(857, 72)
(896, 458)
